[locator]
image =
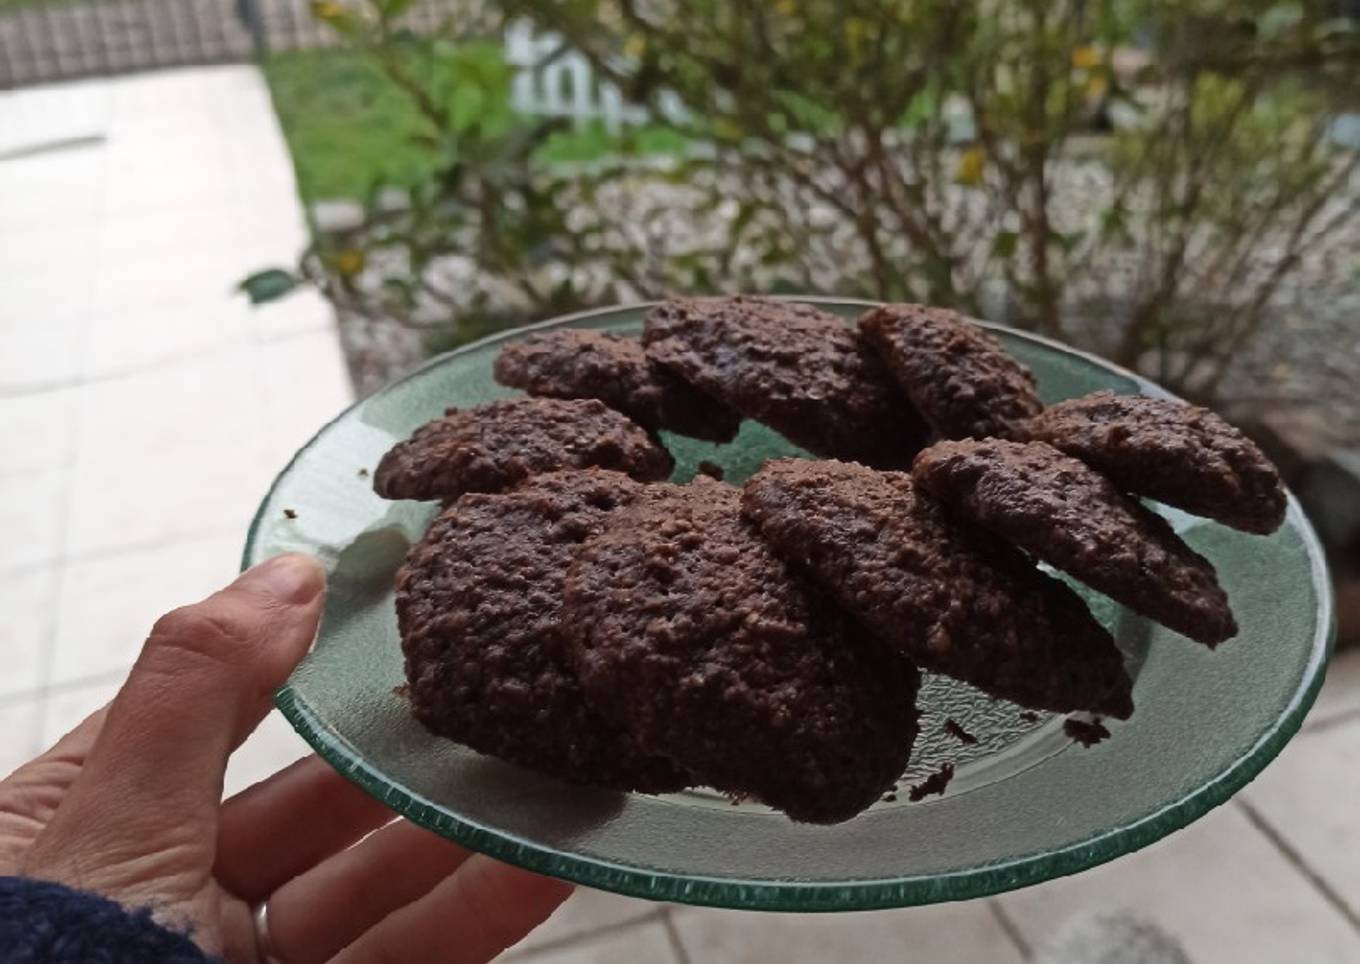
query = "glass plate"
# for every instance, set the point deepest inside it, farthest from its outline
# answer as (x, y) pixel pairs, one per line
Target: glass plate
(1025, 804)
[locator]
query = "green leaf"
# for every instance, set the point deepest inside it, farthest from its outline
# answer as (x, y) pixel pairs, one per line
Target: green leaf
(394, 8)
(268, 285)
(1004, 244)
(467, 106)
(1279, 20)
(1068, 240)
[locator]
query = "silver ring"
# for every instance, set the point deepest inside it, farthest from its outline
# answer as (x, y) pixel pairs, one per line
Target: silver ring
(264, 944)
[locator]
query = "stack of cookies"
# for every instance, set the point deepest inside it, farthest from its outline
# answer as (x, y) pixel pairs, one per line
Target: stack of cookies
(572, 612)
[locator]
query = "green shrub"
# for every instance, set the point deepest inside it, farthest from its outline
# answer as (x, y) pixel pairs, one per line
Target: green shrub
(1137, 176)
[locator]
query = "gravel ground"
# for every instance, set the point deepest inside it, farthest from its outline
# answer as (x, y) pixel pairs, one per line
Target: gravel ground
(1306, 356)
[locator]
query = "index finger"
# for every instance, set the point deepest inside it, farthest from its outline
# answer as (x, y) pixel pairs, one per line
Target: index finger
(468, 919)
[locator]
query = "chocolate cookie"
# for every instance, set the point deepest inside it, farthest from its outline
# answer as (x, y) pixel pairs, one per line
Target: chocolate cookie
(1067, 514)
(954, 371)
(692, 635)
(479, 602)
(581, 363)
(798, 369)
(953, 599)
(492, 447)
(1179, 454)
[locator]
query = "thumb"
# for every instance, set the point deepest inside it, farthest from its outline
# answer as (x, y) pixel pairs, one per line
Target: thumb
(202, 683)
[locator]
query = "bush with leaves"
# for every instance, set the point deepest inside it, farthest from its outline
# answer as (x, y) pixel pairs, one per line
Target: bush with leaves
(1141, 177)
(951, 136)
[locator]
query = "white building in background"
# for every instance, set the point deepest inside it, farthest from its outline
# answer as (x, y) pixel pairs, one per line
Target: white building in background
(552, 80)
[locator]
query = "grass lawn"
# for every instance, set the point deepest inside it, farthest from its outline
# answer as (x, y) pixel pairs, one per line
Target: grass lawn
(348, 126)
(345, 123)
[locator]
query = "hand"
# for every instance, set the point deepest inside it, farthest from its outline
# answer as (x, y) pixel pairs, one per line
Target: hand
(129, 805)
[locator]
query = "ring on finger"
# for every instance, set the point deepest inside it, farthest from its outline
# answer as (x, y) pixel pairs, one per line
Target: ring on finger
(264, 944)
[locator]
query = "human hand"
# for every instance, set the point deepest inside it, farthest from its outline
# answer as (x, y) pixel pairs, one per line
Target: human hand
(129, 805)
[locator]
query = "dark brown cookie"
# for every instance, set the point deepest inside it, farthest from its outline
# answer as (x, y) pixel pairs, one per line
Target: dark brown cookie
(955, 372)
(691, 634)
(798, 369)
(1067, 514)
(581, 363)
(492, 447)
(479, 603)
(953, 599)
(1176, 453)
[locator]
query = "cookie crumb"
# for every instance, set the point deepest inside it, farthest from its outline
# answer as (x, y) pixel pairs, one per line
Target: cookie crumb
(289, 514)
(889, 798)
(363, 473)
(933, 785)
(711, 469)
(1029, 716)
(1087, 734)
(952, 727)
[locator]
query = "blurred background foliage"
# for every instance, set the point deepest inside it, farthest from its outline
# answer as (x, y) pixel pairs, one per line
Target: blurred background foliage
(1144, 178)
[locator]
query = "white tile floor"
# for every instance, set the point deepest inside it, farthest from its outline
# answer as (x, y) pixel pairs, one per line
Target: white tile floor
(144, 408)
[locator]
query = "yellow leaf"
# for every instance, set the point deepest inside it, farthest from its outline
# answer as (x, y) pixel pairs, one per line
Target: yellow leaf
(350, 262)
(328, 10)
(727, 130)
(786, 8)
(856, 33)
(635, 46)
(1086, 57)
(1096, 86)
(971, 164)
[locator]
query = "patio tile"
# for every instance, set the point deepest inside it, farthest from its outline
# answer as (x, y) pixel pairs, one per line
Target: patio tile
(185, 171)
(265, 752)
(38, 299)
(133, 338)
(643, 943)
(275, 235)
(108, 605)
(191, 275)
(139, 498)
(39, 349)
(302, 311)
(32, 506)
(18, 735)
(173, 98)
(39, 430)
(53, 112)
(28, 605)
(1310, 795)
(59, 187)
(1219, 887)
(1340, 694)
(305, 385)
(944, 934)
(209, 223)
(585, 911)
(64, 710)
(42, 247)
(259, 174)
(211, 399)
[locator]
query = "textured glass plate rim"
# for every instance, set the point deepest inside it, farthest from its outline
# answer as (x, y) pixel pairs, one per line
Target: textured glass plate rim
(821, 896)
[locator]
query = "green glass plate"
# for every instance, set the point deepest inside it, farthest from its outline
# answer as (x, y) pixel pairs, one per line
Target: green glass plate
(1025, 804)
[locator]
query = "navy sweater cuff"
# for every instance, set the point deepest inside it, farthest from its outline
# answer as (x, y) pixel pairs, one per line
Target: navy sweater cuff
(45, 923)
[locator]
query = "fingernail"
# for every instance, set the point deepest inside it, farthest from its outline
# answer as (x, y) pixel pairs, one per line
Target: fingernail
(292, 578)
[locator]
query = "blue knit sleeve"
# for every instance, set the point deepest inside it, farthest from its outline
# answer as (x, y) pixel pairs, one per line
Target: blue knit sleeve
(43, 923)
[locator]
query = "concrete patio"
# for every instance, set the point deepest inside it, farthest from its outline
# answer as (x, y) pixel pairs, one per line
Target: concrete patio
(145, 408)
